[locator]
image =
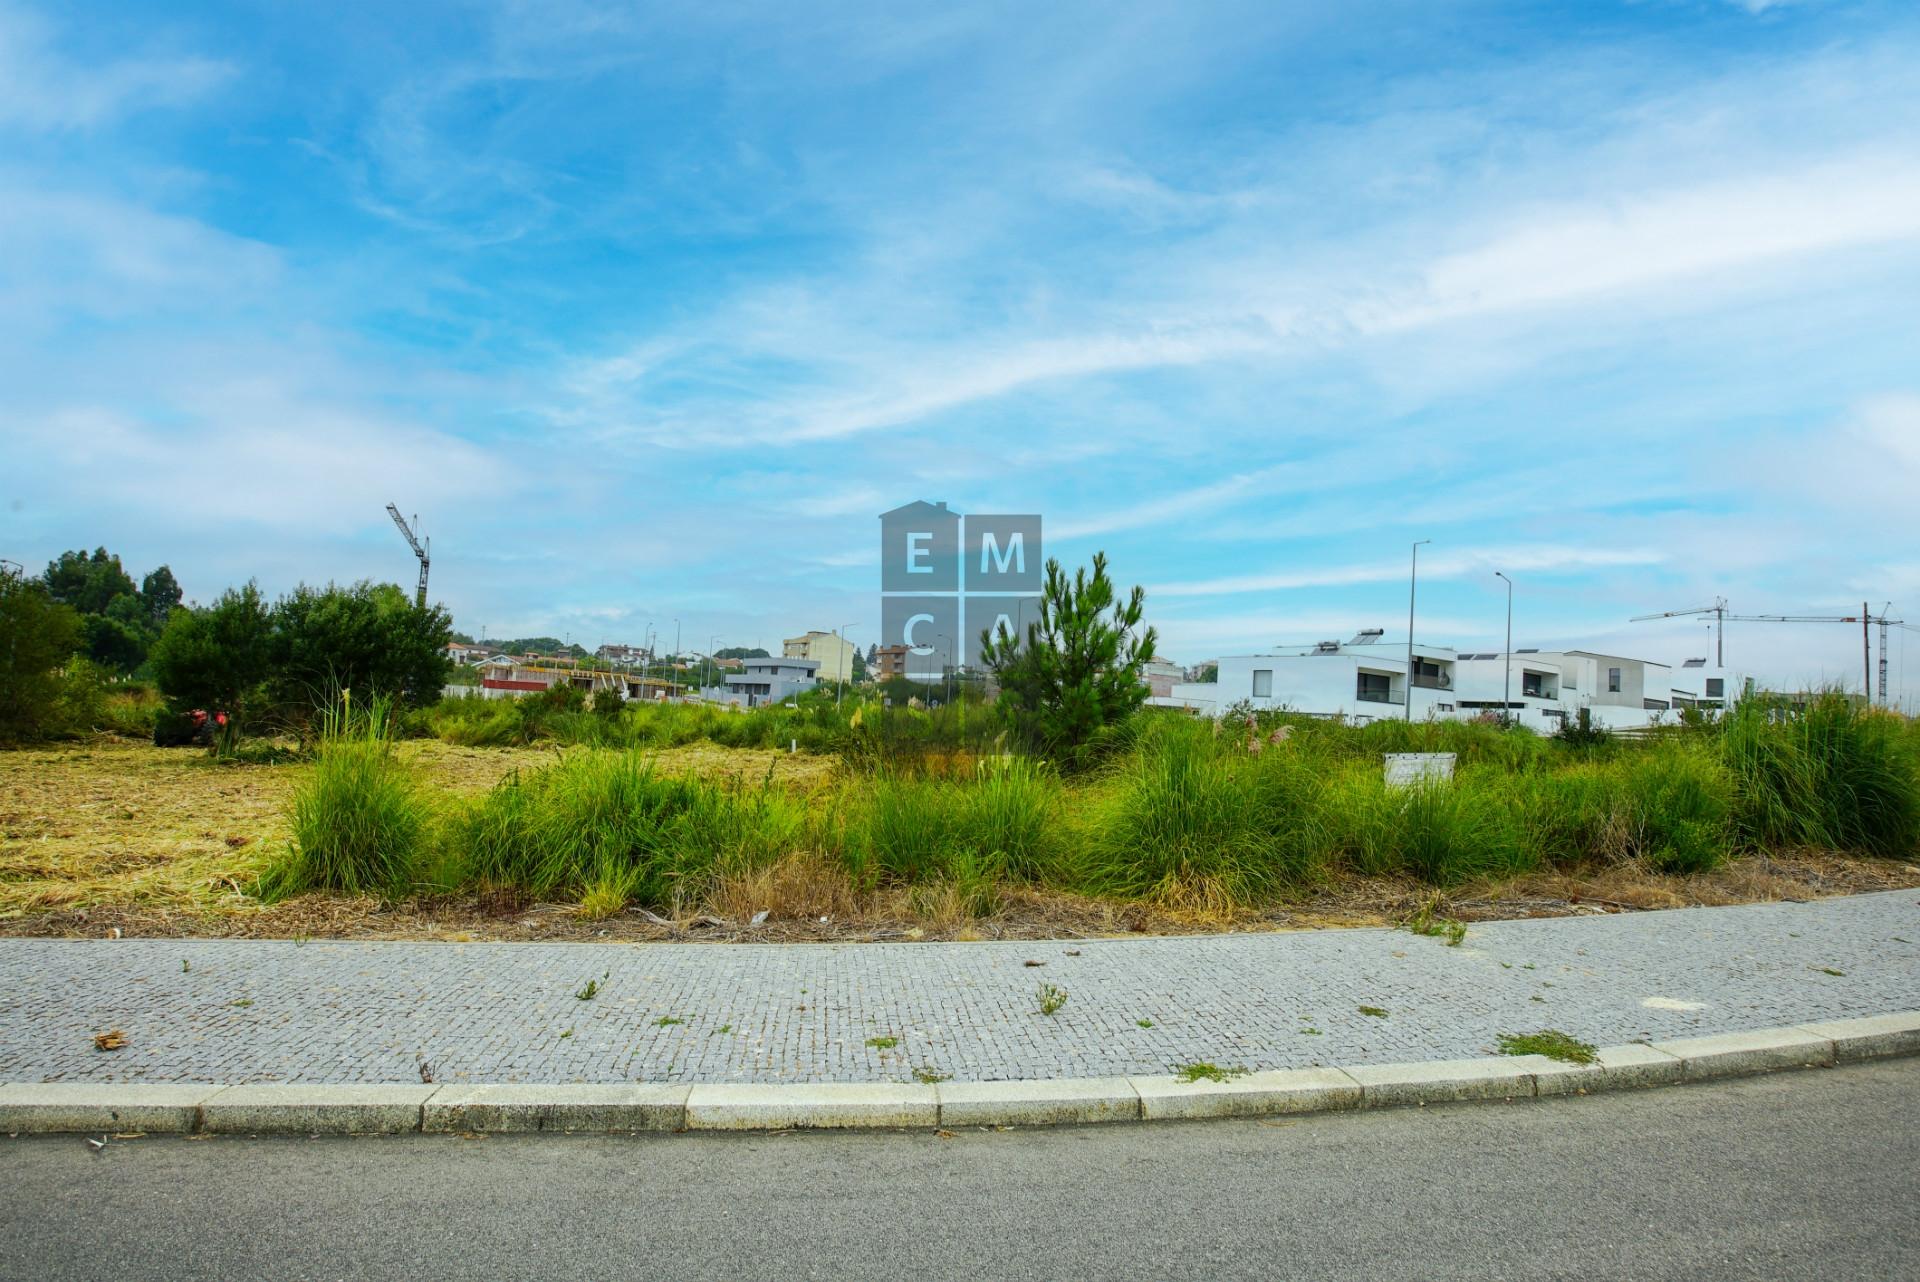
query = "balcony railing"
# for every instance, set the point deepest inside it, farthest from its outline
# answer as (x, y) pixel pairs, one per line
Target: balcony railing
(1377, 696)
(1441, 682)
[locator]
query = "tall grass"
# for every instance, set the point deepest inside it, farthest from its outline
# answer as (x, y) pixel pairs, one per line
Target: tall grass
(1190, 818)
(361, 820)
(1187, 813)
(1834, 774)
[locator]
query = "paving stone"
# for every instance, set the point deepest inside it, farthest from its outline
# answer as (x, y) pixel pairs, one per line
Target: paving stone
(519, 1107)
(260, 1011)
(1042, 1103)
(1758, 1051)
(1441, 1081)
(814, 1104)
(1298, 1090)
(1615, 1068)
(1871, 1037)
(313, 1109)
(26, 1108)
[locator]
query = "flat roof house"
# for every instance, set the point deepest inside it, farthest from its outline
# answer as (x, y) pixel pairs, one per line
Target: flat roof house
(766, 681)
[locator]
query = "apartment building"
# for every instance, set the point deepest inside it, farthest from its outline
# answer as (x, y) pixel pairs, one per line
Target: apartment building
(832, 654)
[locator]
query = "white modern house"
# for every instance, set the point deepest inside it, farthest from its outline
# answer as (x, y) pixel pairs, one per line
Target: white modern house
(1367, 679)
(764, 681)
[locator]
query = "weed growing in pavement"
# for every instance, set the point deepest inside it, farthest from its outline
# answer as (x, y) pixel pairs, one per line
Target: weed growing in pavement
(883, 1043)
(1310, 1032)
(242, 1002)
(667, 1021)
(1828, 970)
(588, 993)
(1550, 1042)
(564, 1036)
(1144, 1023)
(1052, 998)
(1378, 1012)
(724, 1028)
(1428, 921)
(184, 968)
(928, 1076)
(1201, 1070)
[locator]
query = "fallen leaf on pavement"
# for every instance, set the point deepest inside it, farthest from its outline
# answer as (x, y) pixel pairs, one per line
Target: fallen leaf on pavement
(112, 1040)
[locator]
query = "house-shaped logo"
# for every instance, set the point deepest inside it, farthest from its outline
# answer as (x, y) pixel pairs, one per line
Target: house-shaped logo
(946, 578)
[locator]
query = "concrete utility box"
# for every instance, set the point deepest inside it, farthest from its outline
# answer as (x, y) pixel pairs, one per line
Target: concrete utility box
(1405, 769)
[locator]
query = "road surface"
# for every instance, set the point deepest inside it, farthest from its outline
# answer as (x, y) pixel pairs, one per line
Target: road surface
(1803, 1174)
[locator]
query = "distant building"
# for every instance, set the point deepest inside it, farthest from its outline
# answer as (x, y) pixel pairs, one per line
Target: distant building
(463, 652)
(1161, 676)
(765, 681)
(1367, 679)
(833, 654)
(621, 653)
(503, 677)
(887, 661)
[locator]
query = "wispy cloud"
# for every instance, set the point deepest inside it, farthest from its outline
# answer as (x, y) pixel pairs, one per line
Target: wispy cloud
(1439, 565)
(42, 88)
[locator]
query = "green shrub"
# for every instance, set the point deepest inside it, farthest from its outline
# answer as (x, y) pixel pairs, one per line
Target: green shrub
(361, 821)
(1440, 831)
(1832, 774)
(1191, 816)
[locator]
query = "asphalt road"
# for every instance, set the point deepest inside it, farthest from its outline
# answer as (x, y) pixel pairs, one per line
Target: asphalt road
(1807, 1174)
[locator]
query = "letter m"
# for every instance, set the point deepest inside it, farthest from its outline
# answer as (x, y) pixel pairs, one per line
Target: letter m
(1015, 554)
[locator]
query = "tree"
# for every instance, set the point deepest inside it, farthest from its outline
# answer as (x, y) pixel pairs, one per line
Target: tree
(741, 652)
(37, 636)
(87, 583)
(1077, 671)
(217, 658)
(160, 594)
(370, 638)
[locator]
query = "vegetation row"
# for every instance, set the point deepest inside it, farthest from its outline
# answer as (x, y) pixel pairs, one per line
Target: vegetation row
(1184, 812)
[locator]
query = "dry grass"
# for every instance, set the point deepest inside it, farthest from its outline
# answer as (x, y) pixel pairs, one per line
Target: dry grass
(116, 835)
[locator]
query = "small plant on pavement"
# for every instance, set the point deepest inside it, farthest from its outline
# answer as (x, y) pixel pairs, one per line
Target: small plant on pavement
(1428, 921)
(928, 1076)
(1144, 1023)
(667, 1021)
(883, 1043)
(1052, 998)
(1378, 1012)
(588, 993)
(1201, 1070)
(1550, 1042)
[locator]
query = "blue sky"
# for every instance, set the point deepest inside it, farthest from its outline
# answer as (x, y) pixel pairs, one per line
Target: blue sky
(649, 312)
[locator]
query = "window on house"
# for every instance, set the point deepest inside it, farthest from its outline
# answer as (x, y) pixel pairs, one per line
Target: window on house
(1613, 681)
(1375, 687)
(1533, 685)
(1263, 683)
(1716, 687)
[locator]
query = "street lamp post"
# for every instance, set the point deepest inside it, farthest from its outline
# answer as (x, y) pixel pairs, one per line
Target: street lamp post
(946, 678)
(840, 687)
(673, 676)
(1413, 578)
(1506, 688)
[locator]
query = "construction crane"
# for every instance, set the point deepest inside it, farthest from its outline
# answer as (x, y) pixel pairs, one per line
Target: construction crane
(1718, 609)
(420, 549)
(1867, 619)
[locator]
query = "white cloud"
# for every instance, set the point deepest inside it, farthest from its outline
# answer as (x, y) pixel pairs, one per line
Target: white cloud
(42, 89)
(1542, 558)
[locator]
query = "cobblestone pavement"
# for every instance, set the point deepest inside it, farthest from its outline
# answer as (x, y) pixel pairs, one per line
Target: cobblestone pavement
(256, 1011)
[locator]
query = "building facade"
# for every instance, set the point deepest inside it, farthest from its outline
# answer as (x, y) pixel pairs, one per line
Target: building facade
(833, 654)
(1367, 679)
(765, 681)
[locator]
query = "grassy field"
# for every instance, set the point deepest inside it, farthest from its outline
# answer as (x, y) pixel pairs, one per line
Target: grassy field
(1279, 825)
